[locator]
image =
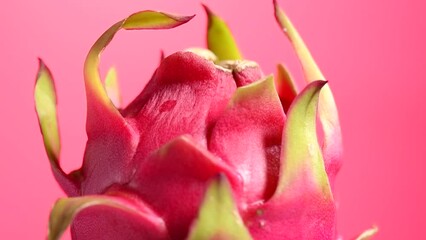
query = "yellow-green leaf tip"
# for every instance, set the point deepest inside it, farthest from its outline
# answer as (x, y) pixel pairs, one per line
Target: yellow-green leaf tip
(99, 104)
(368, 234)
(301, 154)
(112, 88)
(332, 145)
(218, 217)
(66, 209)
(255, 89)
(219, 38)
(154, 20)
(45, 103)
(311, 70)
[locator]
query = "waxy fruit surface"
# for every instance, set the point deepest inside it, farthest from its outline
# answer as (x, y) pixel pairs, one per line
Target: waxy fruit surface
(212, 148)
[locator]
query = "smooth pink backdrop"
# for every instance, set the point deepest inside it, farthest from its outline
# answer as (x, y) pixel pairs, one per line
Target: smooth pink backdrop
(372, 52)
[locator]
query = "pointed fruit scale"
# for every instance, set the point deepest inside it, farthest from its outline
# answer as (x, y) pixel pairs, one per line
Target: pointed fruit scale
(154, 20)
(332, 146)
(367, 234)
(254, 112)
(162, 56)
(306, 217)
(286, 87)
(112, 87)
(301, 157)
(101, 113)
(218, 217)
(219, 38)
(112, 139)
(174, 178)
(106, 217)
(312, 71)
(45, 103)
(302, 206)
(263, 87)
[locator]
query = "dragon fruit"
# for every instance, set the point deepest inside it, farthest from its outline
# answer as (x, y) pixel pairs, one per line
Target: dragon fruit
(210, 149)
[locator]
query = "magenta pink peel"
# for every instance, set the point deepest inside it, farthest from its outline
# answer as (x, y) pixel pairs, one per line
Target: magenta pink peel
(210, 149)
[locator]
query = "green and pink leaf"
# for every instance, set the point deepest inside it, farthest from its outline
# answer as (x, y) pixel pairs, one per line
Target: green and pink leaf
(45, 103)
(253, 113)
(286, 87)
(113, 140)
(302, 206)
(174, 179)
(332, 145)
(118, 216)
(220, 39)
(218, 217)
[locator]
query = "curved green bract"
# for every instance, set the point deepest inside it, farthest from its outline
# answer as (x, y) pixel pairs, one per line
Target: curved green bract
(218, 217)
(263, 86)
(327, 107)
(285, 78)
(311, 69)
(45, 102)
(368, 234)
(301, 158)
(286, 86)
(153, 20)
(112, 87)
(99, 105)
(219, 38)
(66, 209)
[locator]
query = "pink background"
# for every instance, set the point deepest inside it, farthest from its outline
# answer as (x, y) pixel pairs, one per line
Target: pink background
(373, 53)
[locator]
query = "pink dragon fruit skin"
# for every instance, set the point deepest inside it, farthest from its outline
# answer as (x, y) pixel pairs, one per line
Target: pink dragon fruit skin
(210, 149)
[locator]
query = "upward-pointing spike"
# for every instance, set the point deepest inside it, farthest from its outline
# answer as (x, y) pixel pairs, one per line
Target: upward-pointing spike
(286, 87)
(301, 159)
(367, 234)
(219, 38)
(332, 146)
(312, 71)
(218, 217)
(302, 206)
(45, 102)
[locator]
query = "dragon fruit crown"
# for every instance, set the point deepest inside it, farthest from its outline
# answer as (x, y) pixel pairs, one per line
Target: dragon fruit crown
(210, 149)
